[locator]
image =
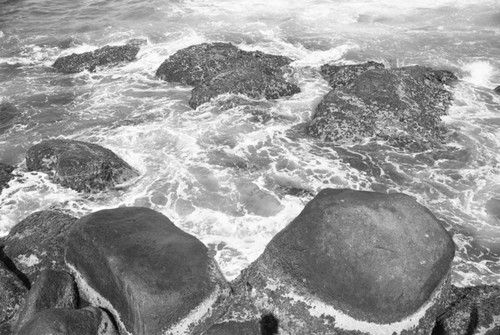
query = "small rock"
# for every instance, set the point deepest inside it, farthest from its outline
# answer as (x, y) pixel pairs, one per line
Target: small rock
(497, 90)
(52, 289)
(37, 242)
(82, 166)
(86, 321)
(5, 175)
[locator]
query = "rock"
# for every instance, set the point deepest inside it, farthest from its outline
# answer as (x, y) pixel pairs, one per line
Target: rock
(403, 106)
(153, 277)
(52, 289)
(233, 328)
(8, 113)
(5, 175)
(339, 76)
(352, 262)
(219, 68)
(12, 291)
(86, 321)
(493, 207)
(471, 310)
(497, 90)
(37, 243)
(84, 167)
(242, 80)
(108, 55)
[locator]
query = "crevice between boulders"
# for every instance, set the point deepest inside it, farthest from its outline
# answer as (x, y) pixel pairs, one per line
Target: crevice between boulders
(11, 266)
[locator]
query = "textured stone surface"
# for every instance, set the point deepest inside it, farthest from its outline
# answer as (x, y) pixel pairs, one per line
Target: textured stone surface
(12, 291)
(352, 262)
(86, 321)
(107, 55)
(52, 289)
(233, 328)
(79, 165)
(471, 310)
(402, 105)
(8, 113)
(339, 76)
(37, 242)
(219, 68)
(152, 276)
(5, 175)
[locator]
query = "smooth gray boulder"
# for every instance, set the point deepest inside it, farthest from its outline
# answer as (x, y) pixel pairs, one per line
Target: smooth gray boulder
(153, 277)
(82, 166)
(352, 262)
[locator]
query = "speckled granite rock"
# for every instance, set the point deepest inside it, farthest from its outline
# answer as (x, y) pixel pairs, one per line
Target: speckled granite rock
(12, 291)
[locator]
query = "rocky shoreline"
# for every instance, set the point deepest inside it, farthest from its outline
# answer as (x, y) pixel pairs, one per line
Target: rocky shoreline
(352, 262)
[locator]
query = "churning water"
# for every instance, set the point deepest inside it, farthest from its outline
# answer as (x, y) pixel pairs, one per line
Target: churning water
(231, 178)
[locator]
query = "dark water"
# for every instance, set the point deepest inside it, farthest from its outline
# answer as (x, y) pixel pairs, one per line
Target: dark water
(232, 178)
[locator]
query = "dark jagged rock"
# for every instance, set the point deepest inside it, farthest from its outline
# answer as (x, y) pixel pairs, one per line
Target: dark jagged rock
(5, 175)
(52, 289)
(402, 105)
(108, 55)
(472, 310)
(86, 321)
(497, 90)
(219, 68)
(242, 80)
(8, 113)
(351, 263)
(339, 76)
(153, 277)
(79, 165)
(37, 243)
(12, 291)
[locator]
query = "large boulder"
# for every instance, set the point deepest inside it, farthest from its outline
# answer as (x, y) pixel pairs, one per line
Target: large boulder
(8, 113)
(60, 321)
(153, 277)
(219, 68)
(108, 55)
(401, 105)
(471, 310)
(37, 243)
(5, 175)
(12, 291)
(79, 165)
(352, 262)
(52, 289)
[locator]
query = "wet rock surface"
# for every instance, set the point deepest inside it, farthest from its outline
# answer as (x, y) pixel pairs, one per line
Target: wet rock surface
(37, 243)
(402, 105)
(374, 257)
(82, 166)
(86, 321)
(108, 55)
(153, 277)
(52, 289)
(5, 175)
(219, 68)
(12, 291)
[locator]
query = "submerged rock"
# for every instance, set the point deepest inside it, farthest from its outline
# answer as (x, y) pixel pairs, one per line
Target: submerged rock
(402, 105)
(37, 243)
(153, 277)
(79, 165)
(8, 113)
(352, 262)
(60, 321)
(52, 289)
(219, 68)
(108, 55)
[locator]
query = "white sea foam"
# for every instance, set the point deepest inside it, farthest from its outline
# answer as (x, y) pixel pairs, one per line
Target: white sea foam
(479, 73)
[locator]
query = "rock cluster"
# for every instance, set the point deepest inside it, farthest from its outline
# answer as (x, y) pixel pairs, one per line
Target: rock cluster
(219, 68)
(402, 105)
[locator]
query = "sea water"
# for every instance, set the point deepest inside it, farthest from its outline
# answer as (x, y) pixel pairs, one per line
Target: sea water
(231, 178)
